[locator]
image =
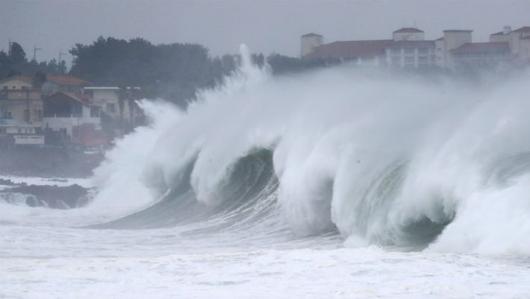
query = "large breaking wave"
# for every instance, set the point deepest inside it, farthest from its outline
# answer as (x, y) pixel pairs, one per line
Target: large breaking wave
(378, 158)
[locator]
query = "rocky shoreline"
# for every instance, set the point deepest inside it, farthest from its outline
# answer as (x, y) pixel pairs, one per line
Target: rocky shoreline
(49, 196)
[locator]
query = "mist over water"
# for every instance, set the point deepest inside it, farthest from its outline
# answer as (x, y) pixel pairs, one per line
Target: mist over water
(379, 158)
(344, 182)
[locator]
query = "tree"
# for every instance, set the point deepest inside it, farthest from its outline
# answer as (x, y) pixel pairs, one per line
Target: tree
(171, 71)
(38, 79)
(15, 63)
(17, 54)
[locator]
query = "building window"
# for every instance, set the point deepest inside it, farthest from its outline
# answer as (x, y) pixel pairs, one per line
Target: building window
(26, 115)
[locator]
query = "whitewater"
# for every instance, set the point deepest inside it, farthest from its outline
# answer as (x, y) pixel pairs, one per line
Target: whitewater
(345, 182)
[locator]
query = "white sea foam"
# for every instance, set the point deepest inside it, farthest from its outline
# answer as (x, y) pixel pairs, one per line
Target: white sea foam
(391, 162)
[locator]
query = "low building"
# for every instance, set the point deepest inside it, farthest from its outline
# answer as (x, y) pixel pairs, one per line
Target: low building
(118, 103)
(117, 106)
(65, 83)
(20, 101)
(64, 111)
(13, 133)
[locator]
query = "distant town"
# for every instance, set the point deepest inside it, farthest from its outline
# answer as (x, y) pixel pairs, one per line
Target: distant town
(65, 111)
(455, 50)
(62, 110)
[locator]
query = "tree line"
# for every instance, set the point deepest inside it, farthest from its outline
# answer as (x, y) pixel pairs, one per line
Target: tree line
(15, 62)
(170, 71)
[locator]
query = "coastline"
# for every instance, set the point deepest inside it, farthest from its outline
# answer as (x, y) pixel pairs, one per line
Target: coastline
(47, 162)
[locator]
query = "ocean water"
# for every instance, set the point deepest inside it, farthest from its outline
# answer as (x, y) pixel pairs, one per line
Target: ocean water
(340, 183)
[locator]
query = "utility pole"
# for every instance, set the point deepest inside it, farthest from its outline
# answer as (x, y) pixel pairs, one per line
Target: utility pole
(60, 60)
(61, 56)
(35, 50)
(9, 44)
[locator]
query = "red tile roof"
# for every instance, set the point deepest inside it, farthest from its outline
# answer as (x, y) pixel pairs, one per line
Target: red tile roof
(351, 49)
(490, 47)
(18, 78)
(408, 30)
(66, 80)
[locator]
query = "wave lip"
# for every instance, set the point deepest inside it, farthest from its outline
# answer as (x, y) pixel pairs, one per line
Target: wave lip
(378, 158)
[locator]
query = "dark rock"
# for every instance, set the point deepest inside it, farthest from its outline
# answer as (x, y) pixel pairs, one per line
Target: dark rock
(52, 196)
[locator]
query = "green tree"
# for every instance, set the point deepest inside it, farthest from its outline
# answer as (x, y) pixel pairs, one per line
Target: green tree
(172, 71)
(17, 54)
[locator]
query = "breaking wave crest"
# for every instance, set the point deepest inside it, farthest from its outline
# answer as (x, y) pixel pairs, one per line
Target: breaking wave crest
(419, 163)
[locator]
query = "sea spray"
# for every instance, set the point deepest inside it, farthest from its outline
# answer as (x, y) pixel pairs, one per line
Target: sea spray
(381, 158)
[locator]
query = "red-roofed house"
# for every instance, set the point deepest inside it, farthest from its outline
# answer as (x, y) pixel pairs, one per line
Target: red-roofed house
(66, 83)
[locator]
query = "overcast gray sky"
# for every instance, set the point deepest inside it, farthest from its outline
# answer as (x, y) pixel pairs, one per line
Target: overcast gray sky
(264, 25)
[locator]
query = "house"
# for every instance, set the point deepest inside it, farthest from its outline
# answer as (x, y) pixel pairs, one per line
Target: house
(21, 109)
(64, 111)
(65, 83)
(116, 104)
(16, 133)
(20, 101)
